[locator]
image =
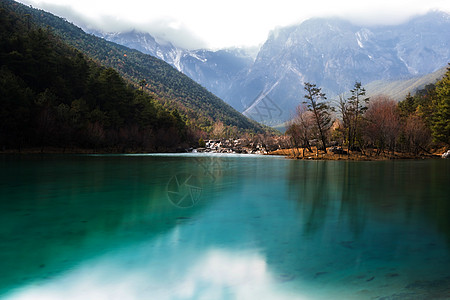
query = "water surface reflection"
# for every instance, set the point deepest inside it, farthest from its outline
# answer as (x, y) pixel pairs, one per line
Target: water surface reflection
(264, 228)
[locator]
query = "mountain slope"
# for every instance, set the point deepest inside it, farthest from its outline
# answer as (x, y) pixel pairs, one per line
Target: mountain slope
(52, 95)
(399, 89)
(329, 52)
(333, 54)
(176, 90)
(215, 70)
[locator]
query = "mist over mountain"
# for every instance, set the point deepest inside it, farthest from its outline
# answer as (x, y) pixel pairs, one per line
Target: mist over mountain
(172, 89)
(215, 70)
(330, 52)
(333, 54)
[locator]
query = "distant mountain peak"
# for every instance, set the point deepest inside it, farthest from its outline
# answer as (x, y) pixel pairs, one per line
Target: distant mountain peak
(331, 52)
(334, 53)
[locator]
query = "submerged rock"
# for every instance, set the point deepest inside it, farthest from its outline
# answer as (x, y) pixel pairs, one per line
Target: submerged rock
(320, 274)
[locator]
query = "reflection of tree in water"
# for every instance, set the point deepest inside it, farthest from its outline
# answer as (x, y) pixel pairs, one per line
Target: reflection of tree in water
(352, 199)
(403, 192)
(309, 187)
(367, 221)
(325, 188)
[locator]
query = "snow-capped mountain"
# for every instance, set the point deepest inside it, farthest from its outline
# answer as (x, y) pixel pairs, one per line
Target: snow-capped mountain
(329, 52)
(333, 54)
(215, 70)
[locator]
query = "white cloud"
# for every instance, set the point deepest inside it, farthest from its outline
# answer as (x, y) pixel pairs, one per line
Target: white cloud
(215, 274)
(217, 24)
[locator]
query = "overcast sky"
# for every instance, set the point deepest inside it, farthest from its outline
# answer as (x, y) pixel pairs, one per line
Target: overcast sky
(226, 23)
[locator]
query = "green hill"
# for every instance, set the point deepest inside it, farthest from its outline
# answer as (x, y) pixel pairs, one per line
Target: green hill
(53, 96)
(172, 88)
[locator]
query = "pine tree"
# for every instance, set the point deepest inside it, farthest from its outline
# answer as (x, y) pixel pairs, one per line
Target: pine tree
(357, 106)
(316, 103)
(441, 122)
(407, 106)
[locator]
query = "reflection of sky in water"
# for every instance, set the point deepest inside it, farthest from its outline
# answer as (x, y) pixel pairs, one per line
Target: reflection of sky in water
(264, 229)
(158, 271)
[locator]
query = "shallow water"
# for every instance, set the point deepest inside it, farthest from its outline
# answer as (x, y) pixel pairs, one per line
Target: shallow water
(222, 227)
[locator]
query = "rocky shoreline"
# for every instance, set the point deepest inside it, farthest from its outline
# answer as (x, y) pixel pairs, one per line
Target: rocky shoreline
(238, 146)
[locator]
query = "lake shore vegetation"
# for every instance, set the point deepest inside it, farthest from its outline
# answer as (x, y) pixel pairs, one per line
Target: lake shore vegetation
(375, 128)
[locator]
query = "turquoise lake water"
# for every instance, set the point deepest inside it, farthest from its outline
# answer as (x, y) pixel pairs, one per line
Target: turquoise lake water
(222, 227)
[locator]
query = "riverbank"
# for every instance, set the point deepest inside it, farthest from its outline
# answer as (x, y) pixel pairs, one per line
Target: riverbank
(369, 155)
(292, 153)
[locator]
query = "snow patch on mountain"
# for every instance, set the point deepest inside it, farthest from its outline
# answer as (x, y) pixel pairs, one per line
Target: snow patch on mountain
(330, 52)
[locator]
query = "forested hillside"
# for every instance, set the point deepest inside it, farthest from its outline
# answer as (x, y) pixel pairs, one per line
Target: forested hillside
(52, 95)
(333, 53)
(432, 106)
(172, 88)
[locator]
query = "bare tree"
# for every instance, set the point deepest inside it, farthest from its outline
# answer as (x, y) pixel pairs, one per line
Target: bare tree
(383, 123)
(294, 132)
(346, 117)
(417, 134)
(301, 128)
(218, 130)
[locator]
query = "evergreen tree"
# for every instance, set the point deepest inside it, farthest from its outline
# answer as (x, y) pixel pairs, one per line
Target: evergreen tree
(52, 95)
(357, 105)
(317, 104)
(441, 121)
(407, 106)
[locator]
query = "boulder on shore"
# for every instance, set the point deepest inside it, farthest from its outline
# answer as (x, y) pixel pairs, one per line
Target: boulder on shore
(446, 154)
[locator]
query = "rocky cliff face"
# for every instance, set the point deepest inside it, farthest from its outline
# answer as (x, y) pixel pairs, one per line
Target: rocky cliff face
(331, 53)
(334, 54)
(215, 70)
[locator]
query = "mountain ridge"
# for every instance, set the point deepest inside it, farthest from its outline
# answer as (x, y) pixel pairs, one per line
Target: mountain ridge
(215, 70)
(53, 95)
(334, 53)
(331, 52)
(174, 89)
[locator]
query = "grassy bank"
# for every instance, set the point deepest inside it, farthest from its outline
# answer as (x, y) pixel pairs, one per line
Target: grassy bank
(368, 155)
